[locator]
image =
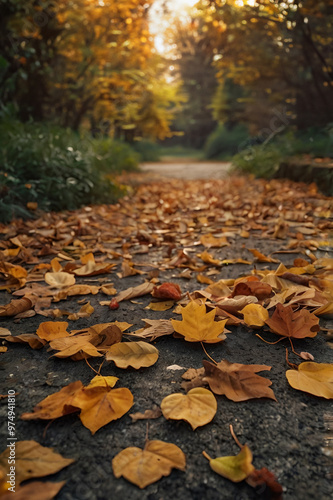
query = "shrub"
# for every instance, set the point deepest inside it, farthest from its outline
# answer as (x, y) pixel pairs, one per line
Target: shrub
(147, 150)
(224, 142)
(56, 168)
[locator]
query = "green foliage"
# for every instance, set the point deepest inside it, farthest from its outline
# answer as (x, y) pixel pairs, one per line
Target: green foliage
(264, 160)
(147, 150)
(56, 168)
(224, 142)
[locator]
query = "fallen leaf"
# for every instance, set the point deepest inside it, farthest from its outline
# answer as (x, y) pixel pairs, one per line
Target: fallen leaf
(56, 405)
(167, 291)
(199, 326)
(85, 312)
(197, 407)
(91, 268)
(16, 307)
(238, 382)
(154, 328)
(33, 460)
(101, 405)
(137, 291)
(260, 257)
(209, 259)
(4, 332)
(70, 346)
(59, 279)
(236, 468)
(144, 467)
(49, 330)
(132, 354)
(36, 490)
(155, 412)
(314, 378)
(33, 340)
(210, 241)
(260, 290)
(264, 480)
(160, 306)
(255, 315)
(75, 290)
(298, 325)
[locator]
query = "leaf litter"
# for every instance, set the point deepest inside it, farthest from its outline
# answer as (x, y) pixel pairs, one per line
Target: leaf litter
(270, 297)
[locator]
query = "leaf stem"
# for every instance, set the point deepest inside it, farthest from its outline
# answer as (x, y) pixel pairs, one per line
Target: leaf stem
(234, 436)
(270, 343)
(208, 356)
(93, 369)
(206, 456)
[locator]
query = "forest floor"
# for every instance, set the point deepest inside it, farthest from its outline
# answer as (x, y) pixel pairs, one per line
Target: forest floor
(192, 232)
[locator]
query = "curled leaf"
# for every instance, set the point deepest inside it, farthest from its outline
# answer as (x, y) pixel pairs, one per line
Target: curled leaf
(236, 468)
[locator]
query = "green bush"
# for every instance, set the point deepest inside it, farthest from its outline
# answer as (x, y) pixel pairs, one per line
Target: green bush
(264, 160)
(224, 142)
(56, 168)
(147, 150)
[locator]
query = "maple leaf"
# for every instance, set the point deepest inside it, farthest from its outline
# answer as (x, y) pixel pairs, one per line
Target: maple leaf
(314, 378)
(236, 468)
(144, 467)
(238, 382)
(197, 407)
(33, 460)
(298, 325)
(199, 326)
(134, 354)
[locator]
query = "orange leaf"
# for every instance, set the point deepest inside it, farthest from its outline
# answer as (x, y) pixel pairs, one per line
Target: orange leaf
(298, 325)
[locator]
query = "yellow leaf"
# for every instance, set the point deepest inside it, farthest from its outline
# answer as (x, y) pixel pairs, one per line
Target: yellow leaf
(100, 405)
(33, 460)
(50, 330)
(208, 241)
(314, 378)
(135, 354)
(199, 326)
(236, 468)
(59, 279)
(325, 310)
(208, 258)
(69, 346)
(100, 381)
(160, 306)
(255, 315)
(91, 268)
(144, 467)
(197, 407)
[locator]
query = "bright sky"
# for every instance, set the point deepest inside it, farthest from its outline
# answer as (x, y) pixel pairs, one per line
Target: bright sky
(158, 21)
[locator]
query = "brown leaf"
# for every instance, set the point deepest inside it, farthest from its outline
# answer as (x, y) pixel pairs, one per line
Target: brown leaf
(33, 340)
(264, 478)
(70, 346)
(132, 354)
(238, 382)
(155, 412)
(144, 467)
(36, 490)
(16, 306)
(260, 290)
(56, 405)
(167, 291)
(136, 291)
(49, 330)
(298, 325)
(33, 460)
(154, 328)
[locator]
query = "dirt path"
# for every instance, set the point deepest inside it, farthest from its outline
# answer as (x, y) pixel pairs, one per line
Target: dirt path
(187, 169)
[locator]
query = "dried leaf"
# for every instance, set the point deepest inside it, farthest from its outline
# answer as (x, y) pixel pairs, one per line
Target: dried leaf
(132, 354)
(260, 290)
(36, 490)
(260, 257)
(236, 468)
(70, 346)
(33, 460)
(298, 325)
(238, 382)
(33, 340)
(199, 326)
(156, 412)
(50, 330)
(136, 291)
(154, 328)
(101, 405)
(209, 241)
(314, 378)
(16, 307)
(91, 268)
(144, 467)
(59, 279)
(56, 405)
(85, 312)
(167, 291)
(255, 315)
(197, 407)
